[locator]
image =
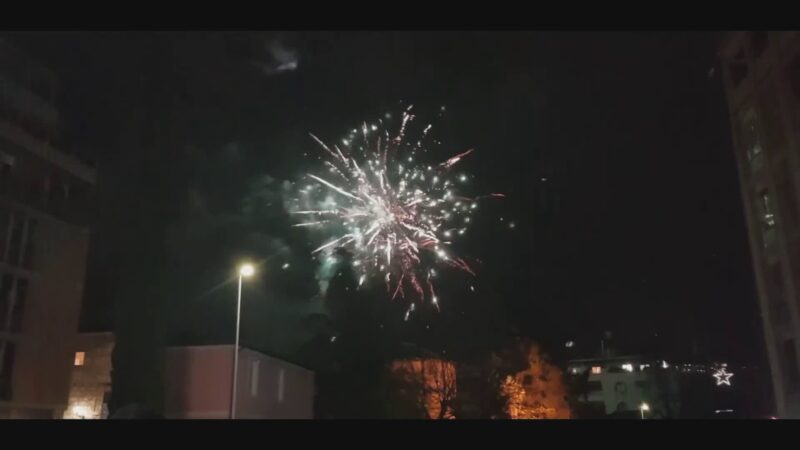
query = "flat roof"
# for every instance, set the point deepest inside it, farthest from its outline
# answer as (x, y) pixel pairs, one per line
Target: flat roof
(217, 346)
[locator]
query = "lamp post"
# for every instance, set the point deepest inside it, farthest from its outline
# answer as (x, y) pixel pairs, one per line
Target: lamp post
(644, 407)
(245, 270)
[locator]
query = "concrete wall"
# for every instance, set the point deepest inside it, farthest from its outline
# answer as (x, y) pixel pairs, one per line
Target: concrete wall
(198, 385)
(762, 85)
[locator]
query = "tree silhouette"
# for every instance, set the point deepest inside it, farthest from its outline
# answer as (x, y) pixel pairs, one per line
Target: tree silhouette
(429, 384)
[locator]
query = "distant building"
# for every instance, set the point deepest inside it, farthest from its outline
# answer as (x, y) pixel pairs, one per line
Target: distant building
(44, 193)
(90, 385)
(762, 83)
(199, 381)
(625, 385)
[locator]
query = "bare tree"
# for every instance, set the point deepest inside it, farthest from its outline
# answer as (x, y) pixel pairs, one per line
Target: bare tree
(430, 383)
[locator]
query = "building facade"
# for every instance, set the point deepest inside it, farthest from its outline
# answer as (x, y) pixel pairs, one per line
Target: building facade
(627, 384)
(199, 385)
(44, 193)
(90, 384)
(761, 75)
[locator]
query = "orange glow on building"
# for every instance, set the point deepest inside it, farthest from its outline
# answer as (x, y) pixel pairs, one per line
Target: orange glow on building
(537, 392)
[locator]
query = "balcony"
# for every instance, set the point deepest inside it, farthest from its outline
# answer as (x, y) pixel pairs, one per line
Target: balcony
(74, 210)
(13, 136)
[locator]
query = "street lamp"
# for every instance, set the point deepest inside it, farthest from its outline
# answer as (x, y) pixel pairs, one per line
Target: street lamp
(245, 270)
(644, 407)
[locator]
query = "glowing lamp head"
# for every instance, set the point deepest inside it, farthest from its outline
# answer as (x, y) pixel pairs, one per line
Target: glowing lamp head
(246, 270)
(644, 407)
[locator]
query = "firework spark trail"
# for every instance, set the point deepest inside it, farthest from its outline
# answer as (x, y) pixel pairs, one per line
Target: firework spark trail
(399, 217)
(452, 161)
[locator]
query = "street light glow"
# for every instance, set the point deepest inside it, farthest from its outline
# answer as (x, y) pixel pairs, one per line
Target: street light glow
(247, 270)
(645, 407)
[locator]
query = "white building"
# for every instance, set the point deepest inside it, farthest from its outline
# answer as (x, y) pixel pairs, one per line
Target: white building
(628, 384)
(199, 385)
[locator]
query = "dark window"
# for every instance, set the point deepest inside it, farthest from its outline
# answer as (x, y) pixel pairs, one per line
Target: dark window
(772, 135)
(643, 385)
(775, 295)
(16, 239)
(594, 386)
(5, 222)
(7, 354)
(527, 380)
(760, 40)
(788, 200)
(30, 241)
(5, 299)
(597, 409)
(18, 310)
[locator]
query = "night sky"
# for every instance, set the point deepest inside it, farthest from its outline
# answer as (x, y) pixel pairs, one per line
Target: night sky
(613, 150)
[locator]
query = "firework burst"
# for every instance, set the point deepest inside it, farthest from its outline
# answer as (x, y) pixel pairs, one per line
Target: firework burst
(397, 216)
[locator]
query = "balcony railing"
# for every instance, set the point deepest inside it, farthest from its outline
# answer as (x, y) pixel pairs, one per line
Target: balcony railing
(72, 210)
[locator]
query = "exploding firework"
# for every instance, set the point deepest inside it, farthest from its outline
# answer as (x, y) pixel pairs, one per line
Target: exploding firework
(397, 216)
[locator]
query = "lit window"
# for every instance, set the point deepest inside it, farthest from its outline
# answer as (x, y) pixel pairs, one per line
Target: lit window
(79, 358)
(628, 367)
(597, 370)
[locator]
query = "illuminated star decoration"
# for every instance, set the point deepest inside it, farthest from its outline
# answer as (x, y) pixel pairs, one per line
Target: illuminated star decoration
(723, 376)
(397, 215)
